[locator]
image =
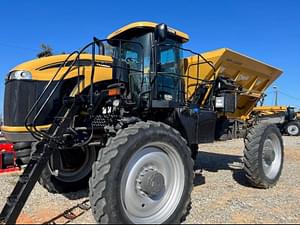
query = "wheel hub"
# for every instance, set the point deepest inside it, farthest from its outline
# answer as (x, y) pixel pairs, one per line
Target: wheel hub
(269, 156)
(151, 183)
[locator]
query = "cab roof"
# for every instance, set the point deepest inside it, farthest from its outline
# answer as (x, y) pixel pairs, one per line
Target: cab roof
(147, 25)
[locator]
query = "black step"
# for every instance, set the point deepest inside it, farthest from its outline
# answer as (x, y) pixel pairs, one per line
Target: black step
(12, 200)
(70, 101)
(2, 220)
(24, 178)
(36, 157)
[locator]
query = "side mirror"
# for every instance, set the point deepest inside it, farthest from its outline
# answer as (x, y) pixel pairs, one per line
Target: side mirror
(161, 32)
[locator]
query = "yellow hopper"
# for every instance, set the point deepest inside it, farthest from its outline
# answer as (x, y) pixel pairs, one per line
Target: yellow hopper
(252, 75)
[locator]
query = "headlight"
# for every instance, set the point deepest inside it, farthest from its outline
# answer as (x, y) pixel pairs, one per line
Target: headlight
(19, 75)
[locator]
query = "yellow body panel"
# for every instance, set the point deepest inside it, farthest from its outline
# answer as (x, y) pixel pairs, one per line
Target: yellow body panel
(270, 108)
(43, 70)
(144, 24)
(252, 75)
(18, 129)
(298, 115)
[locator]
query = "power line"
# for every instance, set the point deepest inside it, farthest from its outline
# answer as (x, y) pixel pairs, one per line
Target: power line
(290, 96)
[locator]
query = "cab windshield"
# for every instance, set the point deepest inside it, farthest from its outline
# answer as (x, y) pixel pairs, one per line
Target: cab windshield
(169, 55)
(169, 80)
(138, 53)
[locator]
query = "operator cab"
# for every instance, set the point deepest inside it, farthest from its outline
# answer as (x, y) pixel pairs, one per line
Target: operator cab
(138, 46)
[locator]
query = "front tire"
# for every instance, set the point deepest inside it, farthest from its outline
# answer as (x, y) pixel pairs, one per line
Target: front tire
(23, 152)
(143, 175)
(263, 155)
(74, 173)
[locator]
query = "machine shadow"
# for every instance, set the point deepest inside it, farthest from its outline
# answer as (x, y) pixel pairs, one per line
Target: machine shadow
(213, 162)
(84, 193)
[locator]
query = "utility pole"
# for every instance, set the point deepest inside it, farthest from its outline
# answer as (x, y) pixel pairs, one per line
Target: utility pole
(1, 121)
(276, 95)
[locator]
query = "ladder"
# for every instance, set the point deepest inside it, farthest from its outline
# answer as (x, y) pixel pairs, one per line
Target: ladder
(51, 140)
(44, 149)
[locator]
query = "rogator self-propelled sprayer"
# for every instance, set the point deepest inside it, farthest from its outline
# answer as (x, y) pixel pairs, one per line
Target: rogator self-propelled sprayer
(130, 122)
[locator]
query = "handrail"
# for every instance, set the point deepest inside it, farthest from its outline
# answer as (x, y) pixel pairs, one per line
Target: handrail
(205, 61)
(38, 134)
(188, 50)
(43, 93)
(32, 127)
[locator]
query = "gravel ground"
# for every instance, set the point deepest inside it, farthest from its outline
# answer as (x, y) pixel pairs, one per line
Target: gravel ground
(2, 139)
(221, 193)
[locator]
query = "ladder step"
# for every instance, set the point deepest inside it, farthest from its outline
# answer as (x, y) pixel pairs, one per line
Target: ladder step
(36, 157)
(24, 178)
(69, 101)
(95, 143)
(2, 220)
(12, 200)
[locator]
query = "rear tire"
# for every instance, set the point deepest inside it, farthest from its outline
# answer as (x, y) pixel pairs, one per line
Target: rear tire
(293, 128)
(23, 152)
(71, 179)
(263, 155)
(23, 156)
(22, 145)
(143, 175)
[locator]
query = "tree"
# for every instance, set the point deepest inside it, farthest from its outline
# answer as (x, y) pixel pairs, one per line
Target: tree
(46, 51)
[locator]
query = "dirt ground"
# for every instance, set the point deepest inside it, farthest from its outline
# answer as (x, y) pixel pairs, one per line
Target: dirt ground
(221, 193)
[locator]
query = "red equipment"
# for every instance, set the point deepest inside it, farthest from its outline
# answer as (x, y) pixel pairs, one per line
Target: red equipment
(8, 158)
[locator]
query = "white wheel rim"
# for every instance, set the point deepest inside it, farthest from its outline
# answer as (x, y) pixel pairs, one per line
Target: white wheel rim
(272, 156)
(293, 129)
(157, 158)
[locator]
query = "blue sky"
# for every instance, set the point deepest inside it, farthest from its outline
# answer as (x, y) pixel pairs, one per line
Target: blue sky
(267, 30)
